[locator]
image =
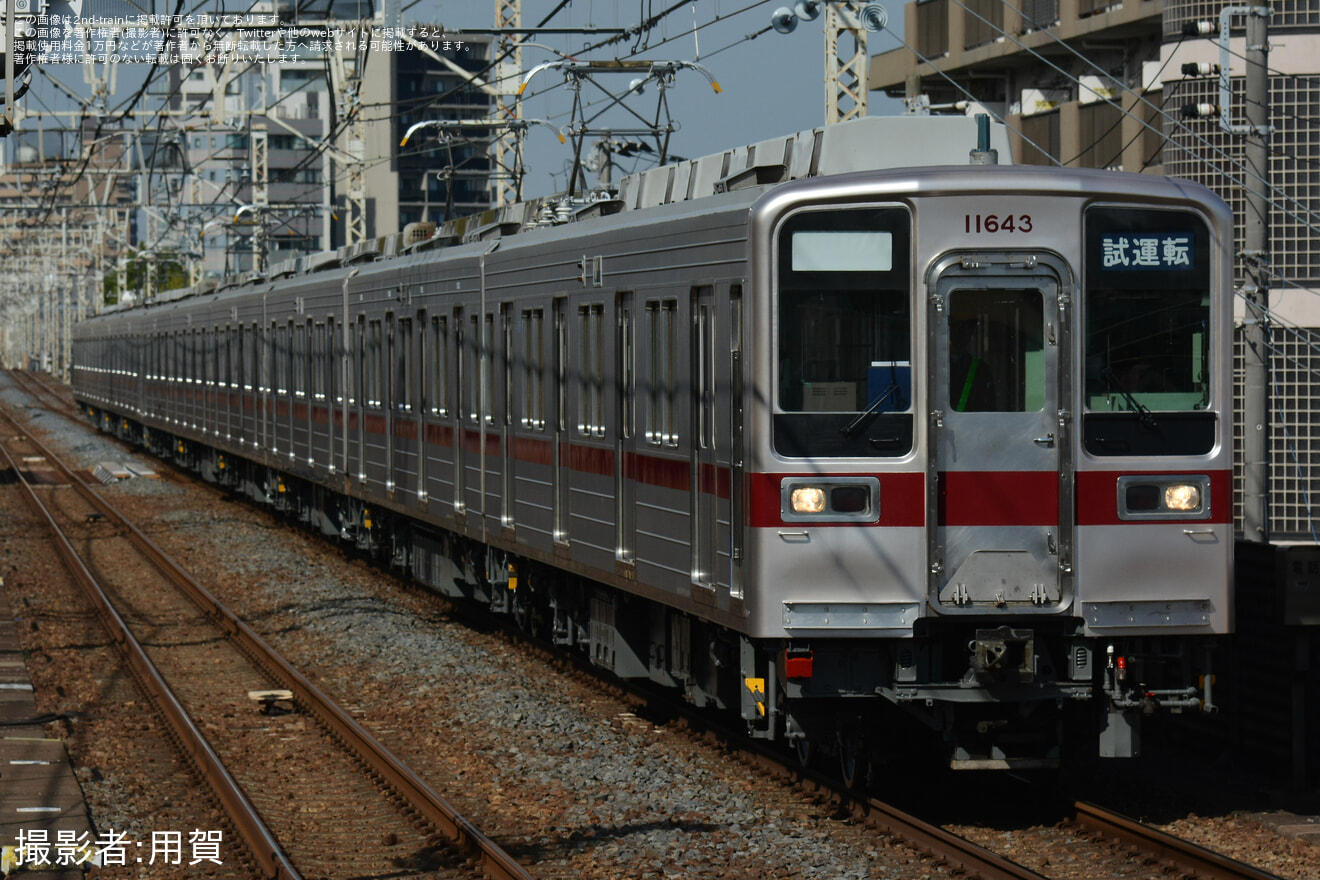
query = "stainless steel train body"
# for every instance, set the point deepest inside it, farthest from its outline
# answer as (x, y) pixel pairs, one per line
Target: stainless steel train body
(938, 452)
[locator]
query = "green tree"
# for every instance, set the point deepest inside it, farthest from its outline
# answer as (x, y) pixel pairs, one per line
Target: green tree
(166, 269)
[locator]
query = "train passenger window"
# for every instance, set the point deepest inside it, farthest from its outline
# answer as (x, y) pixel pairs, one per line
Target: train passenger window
(478, 351)
(403, 397)
(625, 365)
(356, 343)
(591, 408)
(506, 358)
(241, 377)
(662, 340)
(264, 355)
(479, 391)
(438, 371)
(469, 355)
(533, 409)
(280, 341)
(373, 389)
(299, 358)
(331, 362)
(561, 374)
(421, 402)
(231, 345)
(320, 357)
(461, 369)
(703, 368)
(488, 370)
(209, 355)
(255, 353)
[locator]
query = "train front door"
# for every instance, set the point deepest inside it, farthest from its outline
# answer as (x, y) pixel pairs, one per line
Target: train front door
(999, 508)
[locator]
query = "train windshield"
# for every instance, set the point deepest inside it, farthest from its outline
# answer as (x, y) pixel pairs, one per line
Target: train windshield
(1147, 312)
(844, 312)
(844, 332)
(1147, 330)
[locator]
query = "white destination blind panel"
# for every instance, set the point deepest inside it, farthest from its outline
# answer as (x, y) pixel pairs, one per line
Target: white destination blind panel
(1149, 250)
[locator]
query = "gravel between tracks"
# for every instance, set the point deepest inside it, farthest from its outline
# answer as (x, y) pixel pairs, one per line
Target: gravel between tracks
(574, 787)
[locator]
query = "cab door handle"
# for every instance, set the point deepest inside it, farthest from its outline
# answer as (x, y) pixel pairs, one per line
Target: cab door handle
(1047, 440)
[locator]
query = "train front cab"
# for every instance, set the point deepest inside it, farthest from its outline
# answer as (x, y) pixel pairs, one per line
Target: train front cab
(997, 485)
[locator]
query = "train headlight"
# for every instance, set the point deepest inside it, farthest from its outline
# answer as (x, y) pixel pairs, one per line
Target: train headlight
(1183, 496)
(1173, 497)
(829, 499)
(807, 499)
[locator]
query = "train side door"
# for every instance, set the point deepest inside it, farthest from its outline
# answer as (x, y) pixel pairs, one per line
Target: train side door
(360, 374)
(423, 402)
(560, 450)
(999, 516)
(504, 383)
(625, 486)
(703, 494)
(461, 403)
(311, 362)
(388, 363)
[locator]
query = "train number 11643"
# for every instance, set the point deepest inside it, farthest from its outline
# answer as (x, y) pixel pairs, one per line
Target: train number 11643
(996, 223)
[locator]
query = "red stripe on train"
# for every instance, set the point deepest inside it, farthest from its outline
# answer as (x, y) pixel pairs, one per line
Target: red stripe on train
(999, 498)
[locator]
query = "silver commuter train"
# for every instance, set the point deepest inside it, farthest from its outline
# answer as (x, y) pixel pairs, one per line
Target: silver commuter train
(871, 451)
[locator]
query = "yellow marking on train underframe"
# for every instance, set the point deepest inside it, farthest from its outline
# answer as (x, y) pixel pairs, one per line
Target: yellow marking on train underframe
(757, 687)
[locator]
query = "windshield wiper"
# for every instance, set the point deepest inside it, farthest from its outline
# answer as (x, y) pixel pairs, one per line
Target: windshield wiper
(851, 428)
(1143, 414)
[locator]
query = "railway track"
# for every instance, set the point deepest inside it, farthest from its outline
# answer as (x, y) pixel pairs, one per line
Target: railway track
(311, 803)
(1175, 856)
(48, 390)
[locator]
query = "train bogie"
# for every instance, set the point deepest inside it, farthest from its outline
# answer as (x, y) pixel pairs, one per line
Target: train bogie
(942, 449)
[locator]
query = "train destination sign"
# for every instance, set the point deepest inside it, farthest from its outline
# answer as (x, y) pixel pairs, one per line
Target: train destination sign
(1148, 250)
(843, 251)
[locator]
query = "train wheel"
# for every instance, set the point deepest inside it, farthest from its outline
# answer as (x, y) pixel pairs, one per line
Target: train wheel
(522, 614)
(802, 746)
(853, 768)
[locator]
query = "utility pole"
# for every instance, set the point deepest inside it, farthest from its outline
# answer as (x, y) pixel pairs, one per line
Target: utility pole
(1256, 250)
(508, 15)
(845, 75)
(346, 79)
(260, 191)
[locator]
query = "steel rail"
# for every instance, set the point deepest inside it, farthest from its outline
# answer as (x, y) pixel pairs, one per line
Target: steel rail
(470, 840)
(29, 381)
(971, 859)
(265, 849)
(1184, 856)
(962, 857)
